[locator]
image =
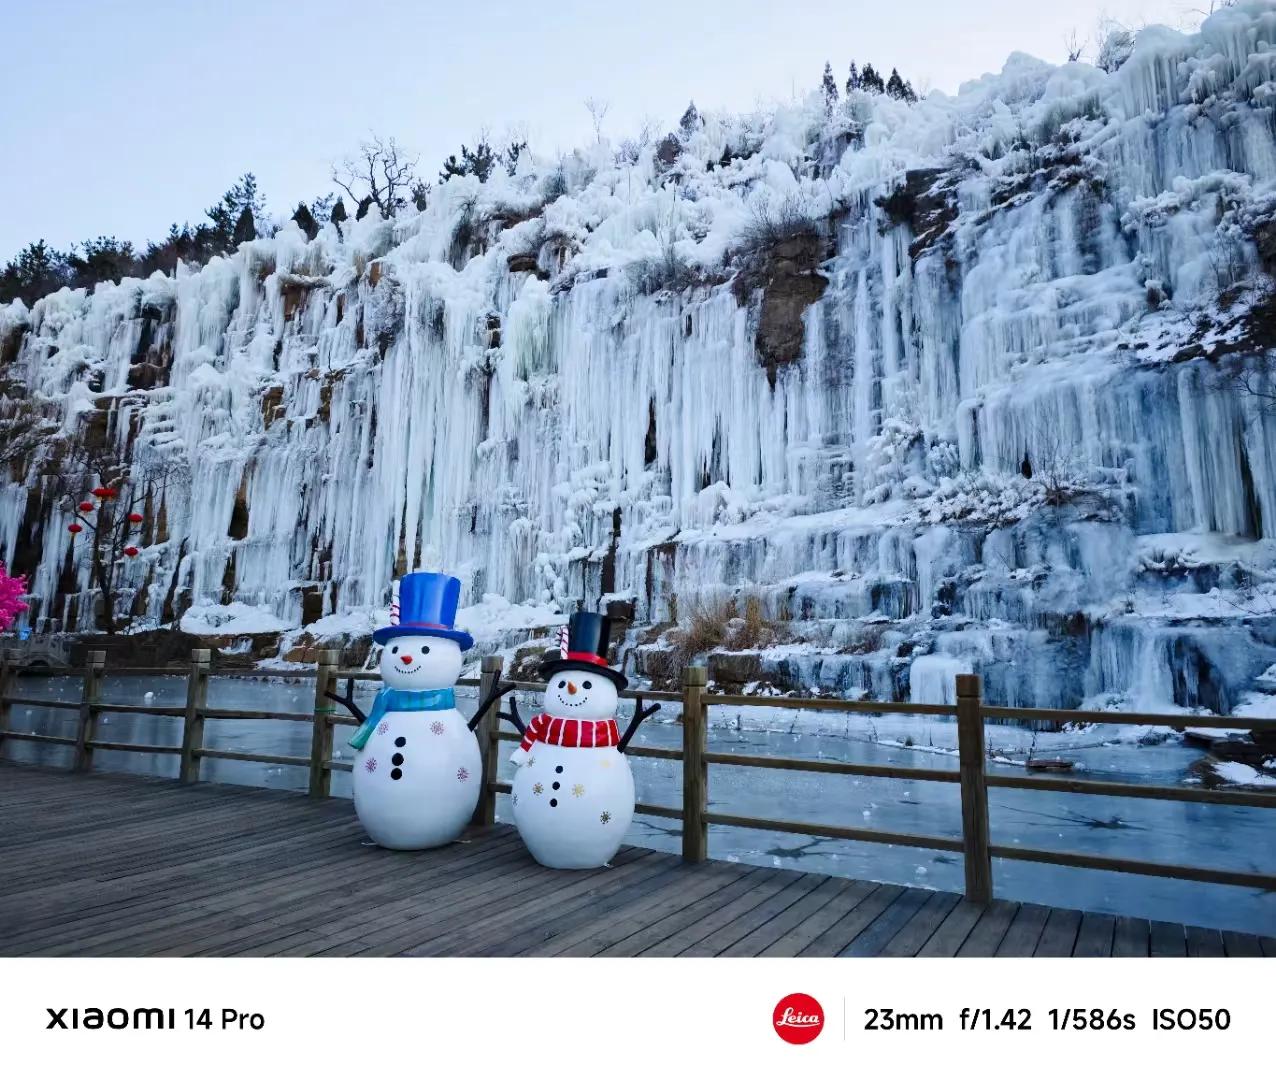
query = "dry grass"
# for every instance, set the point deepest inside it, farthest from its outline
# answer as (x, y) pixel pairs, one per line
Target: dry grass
(722, 625)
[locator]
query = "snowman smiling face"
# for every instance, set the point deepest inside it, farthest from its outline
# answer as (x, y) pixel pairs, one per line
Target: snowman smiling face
(582, 694)
(420, 663)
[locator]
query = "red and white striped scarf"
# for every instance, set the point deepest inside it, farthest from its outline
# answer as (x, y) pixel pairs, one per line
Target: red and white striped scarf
(566, 731)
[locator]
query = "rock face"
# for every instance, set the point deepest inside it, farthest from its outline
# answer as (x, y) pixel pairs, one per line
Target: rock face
(1001, 411)
(787, 274)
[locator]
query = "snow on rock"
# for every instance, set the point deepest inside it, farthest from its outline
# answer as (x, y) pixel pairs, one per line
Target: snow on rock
(960, 385)
(230, 620)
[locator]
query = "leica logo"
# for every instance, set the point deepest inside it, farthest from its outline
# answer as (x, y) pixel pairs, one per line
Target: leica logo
(798, 1018)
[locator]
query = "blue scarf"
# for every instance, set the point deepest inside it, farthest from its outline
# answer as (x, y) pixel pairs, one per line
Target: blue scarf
(388, 700)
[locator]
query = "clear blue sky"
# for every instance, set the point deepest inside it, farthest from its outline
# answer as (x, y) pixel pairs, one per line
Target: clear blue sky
(121, 117)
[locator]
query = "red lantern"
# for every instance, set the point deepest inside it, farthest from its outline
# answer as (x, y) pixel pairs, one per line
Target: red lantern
(130, 551)
(73, 528)
(105, 492)
(136, 519)
(86, 506)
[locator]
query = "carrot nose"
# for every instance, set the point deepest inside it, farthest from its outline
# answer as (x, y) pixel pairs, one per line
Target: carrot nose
(406, 658)
(571, 688)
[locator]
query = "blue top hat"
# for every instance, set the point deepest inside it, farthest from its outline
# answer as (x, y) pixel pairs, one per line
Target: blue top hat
(427, 608)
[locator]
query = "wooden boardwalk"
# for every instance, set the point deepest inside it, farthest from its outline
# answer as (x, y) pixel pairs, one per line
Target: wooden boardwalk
(107, 865)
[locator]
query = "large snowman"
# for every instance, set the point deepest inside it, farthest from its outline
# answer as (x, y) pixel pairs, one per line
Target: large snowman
(417, 773)
(573, 793)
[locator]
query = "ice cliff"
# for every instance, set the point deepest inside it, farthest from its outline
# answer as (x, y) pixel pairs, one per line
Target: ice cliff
(979, 383)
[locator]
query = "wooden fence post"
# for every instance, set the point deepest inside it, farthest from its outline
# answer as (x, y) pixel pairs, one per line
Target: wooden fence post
(489, 745)
(974, 790)
(321, 733)
(193, 727)
(6, 673)
(89, 697)
(695, 773)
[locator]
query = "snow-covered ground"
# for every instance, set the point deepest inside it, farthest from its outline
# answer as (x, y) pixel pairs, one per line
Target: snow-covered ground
(1015, 436)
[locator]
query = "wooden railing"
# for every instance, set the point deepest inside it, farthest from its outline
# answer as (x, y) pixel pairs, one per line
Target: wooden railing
(970, 714)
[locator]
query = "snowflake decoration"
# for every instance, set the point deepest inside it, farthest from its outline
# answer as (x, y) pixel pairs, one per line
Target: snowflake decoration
(604, 762)
(531, 761)
(385, 726)
(462, 774)
(370, 764)
(514, 799)
(604, 817)
(578, 790)
(437, 727)
(537, 788)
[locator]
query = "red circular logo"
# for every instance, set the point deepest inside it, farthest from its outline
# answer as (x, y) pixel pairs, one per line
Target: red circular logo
(798, 1018)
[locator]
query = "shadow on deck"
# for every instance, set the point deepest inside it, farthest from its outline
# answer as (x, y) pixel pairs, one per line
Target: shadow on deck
(97, 864)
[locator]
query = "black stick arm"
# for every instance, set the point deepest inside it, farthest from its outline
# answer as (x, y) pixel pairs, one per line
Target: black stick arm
(640, 714)
(348, 702)
(498, 692)
(513, 717)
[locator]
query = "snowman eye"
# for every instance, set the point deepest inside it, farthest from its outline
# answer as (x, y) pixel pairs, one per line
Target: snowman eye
(395, 649)
(587, 685)
(425, 649)
(562, 683)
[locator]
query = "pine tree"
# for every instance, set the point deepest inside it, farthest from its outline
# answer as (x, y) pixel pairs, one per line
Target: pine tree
(690, 121)
(306, 221)
(853, 80)
(895, 85)
(245, 227)
(910, 95)
(871, 81)
(829, 87)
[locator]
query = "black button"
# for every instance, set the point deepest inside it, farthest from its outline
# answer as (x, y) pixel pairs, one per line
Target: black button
(400, 741)
(558, 768)
(553, 802)
(397, 759)
(396, 774)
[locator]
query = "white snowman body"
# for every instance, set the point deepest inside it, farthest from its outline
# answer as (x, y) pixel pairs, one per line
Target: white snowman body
(417, 779)
(574, 804)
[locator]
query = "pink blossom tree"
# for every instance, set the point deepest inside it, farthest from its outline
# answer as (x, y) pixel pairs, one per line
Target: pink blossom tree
(11, 590)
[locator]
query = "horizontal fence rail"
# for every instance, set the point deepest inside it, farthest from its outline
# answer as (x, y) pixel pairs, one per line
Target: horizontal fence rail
(969, 712)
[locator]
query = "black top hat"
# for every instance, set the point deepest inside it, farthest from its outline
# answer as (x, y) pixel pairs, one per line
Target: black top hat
(587, 636)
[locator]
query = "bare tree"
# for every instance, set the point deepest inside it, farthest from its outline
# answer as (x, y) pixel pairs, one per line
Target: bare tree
(597, 109)
(1072, 42)
(113, 514)
(381, 174)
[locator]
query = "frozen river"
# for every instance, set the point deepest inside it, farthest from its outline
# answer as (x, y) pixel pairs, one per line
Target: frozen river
(1186, 833)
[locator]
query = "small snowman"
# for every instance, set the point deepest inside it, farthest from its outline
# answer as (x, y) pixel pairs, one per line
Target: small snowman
(417, 771)
(573, 793)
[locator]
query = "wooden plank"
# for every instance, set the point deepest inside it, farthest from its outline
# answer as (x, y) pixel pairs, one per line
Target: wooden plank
(1095, 936)
(873, 938)
(763, 913)
(1024, 931)
(953, 931)
(844, 931)
(1236, 944)
(986, 935)
(1202, 941)
(814, 924)
(757, 941)
(1132, 936)
(921, 926)
(667, 925)
(689, 885)
(762, 887)
(1168, 939)
(1060, 933)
